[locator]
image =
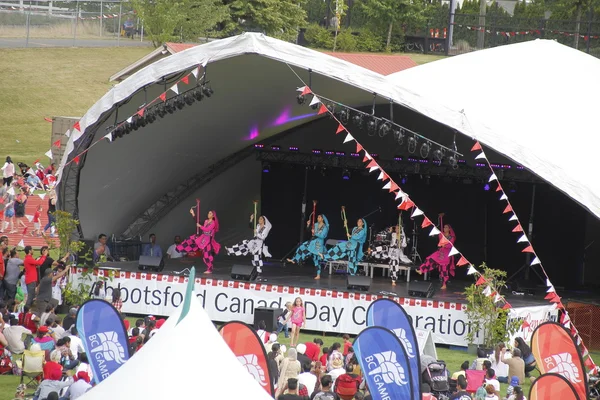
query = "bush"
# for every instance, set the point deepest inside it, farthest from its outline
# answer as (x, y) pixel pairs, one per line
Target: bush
(318, 37)
(368, 41)
(346, 41)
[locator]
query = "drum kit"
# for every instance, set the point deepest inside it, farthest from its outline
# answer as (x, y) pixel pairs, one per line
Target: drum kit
(381, 245)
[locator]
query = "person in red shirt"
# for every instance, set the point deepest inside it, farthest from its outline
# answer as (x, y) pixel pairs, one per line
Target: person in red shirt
(323, 358)
(36, 221)
(27, 320)
(313, 350)
(347, 344)
(31, 273)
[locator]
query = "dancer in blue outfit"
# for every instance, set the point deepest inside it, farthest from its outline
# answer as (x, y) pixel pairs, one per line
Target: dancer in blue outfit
(353, 248)
(315, 246)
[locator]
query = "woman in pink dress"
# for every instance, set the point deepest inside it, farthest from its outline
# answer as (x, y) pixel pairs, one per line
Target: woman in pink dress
(205, 241)
(440, 259)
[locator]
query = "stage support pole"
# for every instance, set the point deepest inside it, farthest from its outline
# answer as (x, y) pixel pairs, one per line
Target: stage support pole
(485, 231)
(530, 232)
(304, 197)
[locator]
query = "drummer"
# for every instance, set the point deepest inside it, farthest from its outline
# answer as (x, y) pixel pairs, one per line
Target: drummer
(387, 240)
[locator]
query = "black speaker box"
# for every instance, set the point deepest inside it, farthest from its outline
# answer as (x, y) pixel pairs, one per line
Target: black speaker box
(154, 263)
(243, 272)
(420, 289)
(269, 315)
(355, 282)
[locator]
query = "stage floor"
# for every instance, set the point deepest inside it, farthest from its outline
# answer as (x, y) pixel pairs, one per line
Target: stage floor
(275, 273)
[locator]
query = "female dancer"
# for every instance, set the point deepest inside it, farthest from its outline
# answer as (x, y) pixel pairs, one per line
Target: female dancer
(315, 246)
(298, 320)
(255, 246)
(353, 248)
(440, 259)
(205, 241)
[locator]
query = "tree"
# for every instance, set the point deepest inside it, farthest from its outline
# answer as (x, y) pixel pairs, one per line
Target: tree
(179, 20)
(277, 18)
(390, 13)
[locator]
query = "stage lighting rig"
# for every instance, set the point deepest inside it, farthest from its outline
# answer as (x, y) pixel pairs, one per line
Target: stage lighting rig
(134, 123)
(384, 129)
(357, 119)
(179, 102)
(371, 126)
(438, 154)
(189, 98)
(170, 106)
(425, 147)
(301, 99)
(344, 116)
(207, 90)
(399, 135)
(160, 110)
(412, 144)
(197, 92)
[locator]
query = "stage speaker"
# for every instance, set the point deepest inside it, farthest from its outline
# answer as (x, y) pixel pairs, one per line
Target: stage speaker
(420, 289)
(358, 282)
(243, 272)
(269, 315)
(153, 263)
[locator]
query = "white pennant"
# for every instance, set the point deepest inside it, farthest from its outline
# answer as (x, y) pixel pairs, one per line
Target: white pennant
(315, 100)
(42, 195)
(21, 243)
(48, 154)
(567, 324)
(129, 120)
(204, 63)
(523, 239)
(68, 133)
(493, 178)
(388, 185)
(301, 89)
(503, 197)
(11, 191)
(513, 218)
(30, 171)
(453, 251)
(375, 168)
(471, 270)
(108, 136)
(368, 155)
(175, 89)
(416, 213)
(381, 175)
(29, 217)
(497, 298)
(487, 291)
(481, 155)
(400, 194)
(349, 138)
(196, 71)
(548, 283)
(535, 261)
(551, 289)
(434, 231)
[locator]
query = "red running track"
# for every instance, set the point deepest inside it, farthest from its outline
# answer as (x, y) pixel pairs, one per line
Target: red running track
(36, 242)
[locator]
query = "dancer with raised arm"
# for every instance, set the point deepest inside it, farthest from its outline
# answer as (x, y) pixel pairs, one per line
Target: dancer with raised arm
(204, 240)
(255, 246)
(441, 259)
(353, 248)
(316, 245)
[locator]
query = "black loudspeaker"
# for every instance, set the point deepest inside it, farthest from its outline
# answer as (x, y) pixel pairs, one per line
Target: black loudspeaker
(420, 289)
(269, 315)
(358, 282)
(154, 263)
(243, 272)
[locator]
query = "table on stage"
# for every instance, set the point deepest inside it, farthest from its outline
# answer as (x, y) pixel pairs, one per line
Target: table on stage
(369, 267)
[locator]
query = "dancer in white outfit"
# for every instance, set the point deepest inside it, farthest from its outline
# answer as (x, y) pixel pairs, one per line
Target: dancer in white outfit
(394, 253)
(255, 246)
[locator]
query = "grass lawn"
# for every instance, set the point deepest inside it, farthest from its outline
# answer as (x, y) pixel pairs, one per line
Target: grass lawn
(424, 58)
(49, 82)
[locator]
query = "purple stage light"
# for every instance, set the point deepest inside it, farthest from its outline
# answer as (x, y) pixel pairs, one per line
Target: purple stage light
(293, 148)
(275, 147)
(259, 146)
(397, 158)
(253, 133)
(316, 151)
(403, 181)
(327, 152)
(340, 153)
(486, 187)
(354, 155)
(285, 117)
(480, 165)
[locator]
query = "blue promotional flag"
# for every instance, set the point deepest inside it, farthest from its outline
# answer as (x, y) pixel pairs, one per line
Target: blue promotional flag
(104, 337)
(384, 364)
(391, 315)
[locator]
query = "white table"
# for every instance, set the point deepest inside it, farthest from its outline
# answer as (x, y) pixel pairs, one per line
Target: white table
(368, 266)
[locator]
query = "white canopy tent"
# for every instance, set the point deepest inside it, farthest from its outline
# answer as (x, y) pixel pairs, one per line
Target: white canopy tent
(183, 360)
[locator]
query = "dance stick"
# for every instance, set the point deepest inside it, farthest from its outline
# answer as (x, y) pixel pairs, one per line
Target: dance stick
(399, 231)
(314, 213)
(255, 216)
(197, 216)
(345, 220)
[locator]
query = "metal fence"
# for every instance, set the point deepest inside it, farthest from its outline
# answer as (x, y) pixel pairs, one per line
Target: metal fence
(37, 24)
(586, 317)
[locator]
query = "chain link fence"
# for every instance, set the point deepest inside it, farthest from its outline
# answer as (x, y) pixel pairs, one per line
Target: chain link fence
(586, 317)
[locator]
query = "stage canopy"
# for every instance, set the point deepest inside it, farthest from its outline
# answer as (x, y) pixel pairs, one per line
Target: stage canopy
(531, 102)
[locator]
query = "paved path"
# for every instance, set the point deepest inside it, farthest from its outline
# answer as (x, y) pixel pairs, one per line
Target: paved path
(21, 42)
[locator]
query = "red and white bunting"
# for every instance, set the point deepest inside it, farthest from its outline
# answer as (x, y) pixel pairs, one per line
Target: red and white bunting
(513, 218)
(174, 89)
(196, 72)
(548, 283)
(434, 231)
(453, 251)
(108, 136)
(493, 178)
(381, 175)
(68, 133)
(535, 261)
(315, 100)
(523, 239)
(480, 156)
(497, 298)
(551, 289)
(471, 270)
(340, 129)
(503, 197)
(348, 138)
(48, 154)
(129, 120)
(417, 212)
(387, 185)
(487, 291)
(21, 243)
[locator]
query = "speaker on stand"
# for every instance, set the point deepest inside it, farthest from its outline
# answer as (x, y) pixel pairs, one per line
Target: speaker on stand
(243, 272)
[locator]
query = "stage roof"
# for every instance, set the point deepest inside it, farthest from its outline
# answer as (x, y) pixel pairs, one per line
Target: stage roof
(522, 114)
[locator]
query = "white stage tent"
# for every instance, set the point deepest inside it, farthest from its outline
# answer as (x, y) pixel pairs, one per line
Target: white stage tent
(531, 102)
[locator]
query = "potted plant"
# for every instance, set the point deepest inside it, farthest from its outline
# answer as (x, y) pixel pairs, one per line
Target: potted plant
(487, 319)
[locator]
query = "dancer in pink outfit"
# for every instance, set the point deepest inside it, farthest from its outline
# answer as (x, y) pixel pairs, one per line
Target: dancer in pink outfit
(441, 259)
(205, 241)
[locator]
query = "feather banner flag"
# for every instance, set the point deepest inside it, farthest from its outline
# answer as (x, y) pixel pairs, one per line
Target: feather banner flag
(552, 386)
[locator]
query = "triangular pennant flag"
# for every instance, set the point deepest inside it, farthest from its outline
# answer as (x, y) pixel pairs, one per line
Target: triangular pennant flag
(174, 88)
(550, 296)
(471, 270)
(301, 89)
(372, 164)
(393, 186)
(24, 231)
(76, 159)
(186, 79)
(141, 112)
(453, 251)
(68, 133)
(315, 100)
(163, 96)
(129, 120)
(374, 168)
(387, 185)
(551, 289)
(57, 143)
(341, 128)
(426, 222)
(481, 155)
(443, 241)
(386, 177)
(322, 110)
(548, 283)
(434, 231)
(557, 301)
(513, 218)
(30, 171)
(77, 126)
(497, 298)
(462, 261)
(480, 281)
(567, 324)
(348, 138)
(487, 291)
(528, 249)
(525, 324)
(358, 147)
(507, 209)
(493, 178)
(535, 261)
(42, 195)
(196, 72)
(365, 158)
(503, 197)
(401, 194)
(11, 191)
(109, 136)
(416, 212)
(408, 204)
(523, 239)
(499, 188)
(306, 91)
(29, 217)
(518, 228)
(21, 244)
(476, 147)
(48, 154)
(507, 306)
(380, 177)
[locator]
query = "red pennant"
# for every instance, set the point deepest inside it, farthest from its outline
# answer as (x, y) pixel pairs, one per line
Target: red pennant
(340, 128)
(372, 164)
(499, 188)
(76, 160)
(163, 97)
(556, 300)
(406, 204)
(480, 281)
(528, 249)
(493, 294)
(186, 79)
(48, 119)
(507, 306)
(25, 231)
(36, 162)
(462, 261)
(77, 126)
(322, 110)
(525, 324)
(385, 177)
(518, 228)
(550, 296)
(141, 112)
(476, 147)
(426, 222)
(507, 209)
(589, 363)
(393, 186)
(443, 241)
(358, 146)
(57, 143)
(365, 159)
(306, 91)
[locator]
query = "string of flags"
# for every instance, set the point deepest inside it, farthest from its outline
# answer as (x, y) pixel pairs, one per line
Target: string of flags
(537, 32)
(406, 203)
(551, 296)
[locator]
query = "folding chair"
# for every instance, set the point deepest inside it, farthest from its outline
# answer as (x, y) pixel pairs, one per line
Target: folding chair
(475, 379)
(33, 366)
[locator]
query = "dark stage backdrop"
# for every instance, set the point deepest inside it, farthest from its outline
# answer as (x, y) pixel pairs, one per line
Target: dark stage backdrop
(483, 231)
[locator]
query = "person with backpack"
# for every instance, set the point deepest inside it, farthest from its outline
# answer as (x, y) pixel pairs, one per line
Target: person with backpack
(346, 385)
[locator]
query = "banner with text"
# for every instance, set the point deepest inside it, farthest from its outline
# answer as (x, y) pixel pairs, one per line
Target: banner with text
(530, 318)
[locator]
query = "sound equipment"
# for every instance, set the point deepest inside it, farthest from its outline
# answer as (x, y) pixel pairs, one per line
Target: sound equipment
(420, 289)
(269, 315)
(355, 282)
(153, 263)
(243, 272)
